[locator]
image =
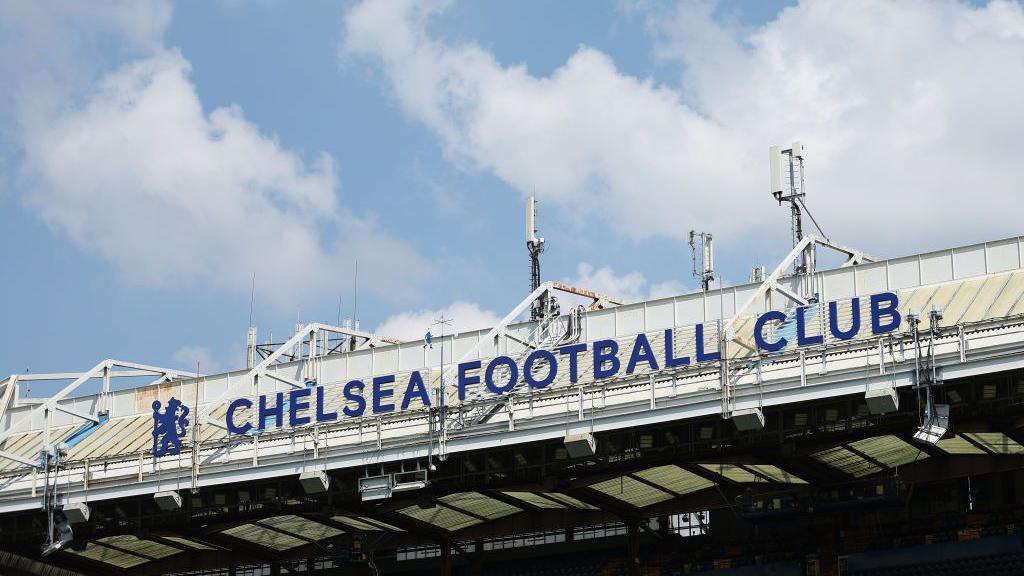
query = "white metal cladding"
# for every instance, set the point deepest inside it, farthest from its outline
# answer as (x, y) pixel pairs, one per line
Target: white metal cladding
(972, 284)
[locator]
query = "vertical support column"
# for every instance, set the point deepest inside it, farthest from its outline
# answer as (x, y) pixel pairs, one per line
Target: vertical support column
(104, 398)
(633, 547)
(446, 557)
(275, 569)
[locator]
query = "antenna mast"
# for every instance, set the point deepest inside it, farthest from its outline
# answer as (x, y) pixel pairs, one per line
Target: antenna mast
(706, 272)
(535, 245)
(787, 185)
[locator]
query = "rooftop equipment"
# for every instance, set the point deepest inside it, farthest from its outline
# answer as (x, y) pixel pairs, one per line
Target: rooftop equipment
(706, 270)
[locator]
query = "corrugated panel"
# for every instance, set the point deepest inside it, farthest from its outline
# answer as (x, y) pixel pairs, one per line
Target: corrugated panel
(845, 461)
(1009, 296)
(964, 297)
(570, 501)
(958, 445)
(261, 536)
(732, 472)
(535, 500)
(675, 479)
(480, 505)
(443, 518)
(631, 491)
(302, 527)
(106, 555)
(888, 450)
(144, 548)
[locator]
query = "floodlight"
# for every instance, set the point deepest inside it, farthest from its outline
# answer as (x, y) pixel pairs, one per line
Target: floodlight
(935, 425)
(62, 536)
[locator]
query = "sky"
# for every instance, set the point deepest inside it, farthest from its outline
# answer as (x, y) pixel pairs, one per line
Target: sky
(162, 162)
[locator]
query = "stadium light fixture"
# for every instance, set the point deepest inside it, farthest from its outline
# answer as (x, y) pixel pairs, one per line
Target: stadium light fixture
(935, 425)
(61, 535)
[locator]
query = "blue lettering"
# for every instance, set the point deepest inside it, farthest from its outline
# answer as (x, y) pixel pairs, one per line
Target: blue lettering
(528, 368)
(877, 311)
(353, 392)
(670, 359)
(276, 411)
(415, 389)
(759, 331)
(322, 416)
(601, 356)
(464, 379)
(513, 374)
(382, 394)
(230, 419)
(703, 356)
(833, 319)
(642, 352)
(294, 406)
(573, 351)
(801, 328)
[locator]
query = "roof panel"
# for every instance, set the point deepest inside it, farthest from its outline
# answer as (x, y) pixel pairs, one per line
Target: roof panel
(776, 474)
(365, 524)
(959, 445)
(732, 472)
(845, 461)
(302, 527)
(675, 479)
(570, 501)
(441, 517)
(479, 505)
(536, 499)
(109, 556)
(187, 542)
(262, 536)
(995, 442)
(631, 491)
(888, 450)
(145, 548)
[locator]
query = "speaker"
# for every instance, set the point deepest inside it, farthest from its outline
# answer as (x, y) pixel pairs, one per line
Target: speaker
(168, 501)
(748, 419)
(882, 400)
(315, 482)
(76, 513)
(580, 445)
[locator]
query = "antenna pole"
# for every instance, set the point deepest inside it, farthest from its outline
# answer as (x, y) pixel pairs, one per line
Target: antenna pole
(535, 245)
(787, 185)
(707, 258)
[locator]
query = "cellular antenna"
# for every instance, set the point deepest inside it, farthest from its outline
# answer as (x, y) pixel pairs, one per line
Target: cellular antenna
(535, 244)
(250, 338)
(705, 270)
(787, 185)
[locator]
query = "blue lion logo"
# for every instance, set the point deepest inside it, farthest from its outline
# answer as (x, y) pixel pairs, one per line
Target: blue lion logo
(169, 427)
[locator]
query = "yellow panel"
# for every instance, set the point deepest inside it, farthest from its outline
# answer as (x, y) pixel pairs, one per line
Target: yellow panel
(986, 297)
(631, 491)
(1010, 295)
(964, 297)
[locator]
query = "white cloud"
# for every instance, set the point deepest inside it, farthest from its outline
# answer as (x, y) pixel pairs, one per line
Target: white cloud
(134, 170)
(186, 357)
(906, 109)
(631, 286)
(410, 326)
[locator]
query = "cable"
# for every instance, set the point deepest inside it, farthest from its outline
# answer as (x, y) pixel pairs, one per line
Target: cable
(808, 210)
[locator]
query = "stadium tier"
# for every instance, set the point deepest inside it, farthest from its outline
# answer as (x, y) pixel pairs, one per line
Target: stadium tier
(864, 419)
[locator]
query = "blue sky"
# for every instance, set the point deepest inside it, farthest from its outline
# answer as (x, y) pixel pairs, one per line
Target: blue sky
(408, 135)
